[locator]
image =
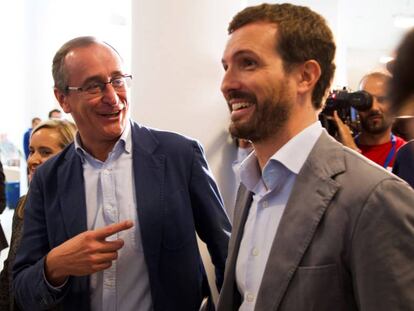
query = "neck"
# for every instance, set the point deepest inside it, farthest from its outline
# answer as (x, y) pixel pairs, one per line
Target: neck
(99, 151)
(266, 148)
(374, 139)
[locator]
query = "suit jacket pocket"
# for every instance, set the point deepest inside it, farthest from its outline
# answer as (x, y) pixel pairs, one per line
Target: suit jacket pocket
(178, 223)
(316, 288)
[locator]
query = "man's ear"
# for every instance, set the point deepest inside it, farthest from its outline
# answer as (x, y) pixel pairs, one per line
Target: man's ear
(310, 72)
(62, 99)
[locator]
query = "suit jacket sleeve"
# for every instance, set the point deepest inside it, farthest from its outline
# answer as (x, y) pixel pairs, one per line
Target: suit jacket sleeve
(2, 189)
(383, 249)
(31, 290)
(404, 163)
(211, 221)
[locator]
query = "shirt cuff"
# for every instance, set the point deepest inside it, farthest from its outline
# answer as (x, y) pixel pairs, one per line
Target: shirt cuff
(54, 288)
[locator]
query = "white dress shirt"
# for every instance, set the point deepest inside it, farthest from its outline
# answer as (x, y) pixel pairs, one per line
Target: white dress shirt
(271, 190)
(111, 198)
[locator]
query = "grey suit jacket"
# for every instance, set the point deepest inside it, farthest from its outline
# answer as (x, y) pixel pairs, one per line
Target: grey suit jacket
(344, 242)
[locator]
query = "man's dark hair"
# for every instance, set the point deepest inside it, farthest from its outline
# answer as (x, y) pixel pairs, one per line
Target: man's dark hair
(301, 35)
(402, 68)
(51, 112)
(60, 76)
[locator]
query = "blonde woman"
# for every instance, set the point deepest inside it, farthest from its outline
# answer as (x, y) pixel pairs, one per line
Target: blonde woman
(46, 140)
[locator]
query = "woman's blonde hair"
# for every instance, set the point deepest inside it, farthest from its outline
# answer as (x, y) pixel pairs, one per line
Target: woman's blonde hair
(66, 131)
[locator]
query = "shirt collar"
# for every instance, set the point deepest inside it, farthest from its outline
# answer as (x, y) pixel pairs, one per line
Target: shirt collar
(300, 146)
(124, 142)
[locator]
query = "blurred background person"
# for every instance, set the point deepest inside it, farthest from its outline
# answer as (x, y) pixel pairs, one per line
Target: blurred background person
(47, 139)
(55, 114)
(376, 140)
(401, 93)
(26, 136)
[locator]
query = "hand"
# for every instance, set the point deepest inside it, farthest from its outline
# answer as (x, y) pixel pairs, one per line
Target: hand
(84, 254)
(344, 132)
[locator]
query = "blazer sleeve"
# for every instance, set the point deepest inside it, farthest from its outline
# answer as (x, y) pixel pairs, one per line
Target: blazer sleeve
(383, 249)
(211, 221)
(2, 189)
(30, 287)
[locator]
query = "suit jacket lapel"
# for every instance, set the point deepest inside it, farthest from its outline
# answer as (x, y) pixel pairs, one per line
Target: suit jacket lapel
(71, 191)
(230, 297)
(310, 197)
(149, 173)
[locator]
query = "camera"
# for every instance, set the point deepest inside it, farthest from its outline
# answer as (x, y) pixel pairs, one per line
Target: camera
(347, 104)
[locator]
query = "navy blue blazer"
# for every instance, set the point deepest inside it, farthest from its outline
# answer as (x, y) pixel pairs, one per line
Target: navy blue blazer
(176, 197)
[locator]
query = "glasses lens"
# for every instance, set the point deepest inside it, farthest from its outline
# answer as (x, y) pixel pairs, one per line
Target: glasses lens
(93, 88)
(118, 83)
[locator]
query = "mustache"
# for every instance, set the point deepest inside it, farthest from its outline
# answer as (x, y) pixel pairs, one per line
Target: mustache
(375, 113)
(240, 95)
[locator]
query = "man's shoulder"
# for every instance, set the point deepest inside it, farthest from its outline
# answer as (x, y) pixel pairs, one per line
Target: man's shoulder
(354, 164)
(143, 135)
(407, 149)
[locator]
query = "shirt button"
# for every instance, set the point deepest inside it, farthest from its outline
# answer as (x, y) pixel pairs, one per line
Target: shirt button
(250, 297)
(255, 252)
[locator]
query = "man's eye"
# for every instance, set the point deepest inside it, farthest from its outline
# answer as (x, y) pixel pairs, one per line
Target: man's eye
(248, 63)
(118, 82)
(381, 99)
(95, 86)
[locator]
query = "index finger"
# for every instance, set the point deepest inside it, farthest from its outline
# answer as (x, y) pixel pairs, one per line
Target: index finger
(104, 232)
(337, 118)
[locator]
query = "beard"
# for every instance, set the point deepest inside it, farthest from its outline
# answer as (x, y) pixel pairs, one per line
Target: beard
(267, 119)
(377, 126)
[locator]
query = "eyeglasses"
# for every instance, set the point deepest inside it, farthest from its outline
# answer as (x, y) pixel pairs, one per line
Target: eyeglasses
(119, 83)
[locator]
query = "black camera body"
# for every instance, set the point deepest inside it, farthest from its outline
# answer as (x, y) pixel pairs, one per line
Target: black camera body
(346, 105)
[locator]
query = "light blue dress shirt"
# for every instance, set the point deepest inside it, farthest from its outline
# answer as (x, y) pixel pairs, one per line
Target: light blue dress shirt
(271, 190)
(111, 198)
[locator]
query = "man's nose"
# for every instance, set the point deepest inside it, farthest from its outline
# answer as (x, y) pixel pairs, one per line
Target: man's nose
(109, 94)
(230, 82)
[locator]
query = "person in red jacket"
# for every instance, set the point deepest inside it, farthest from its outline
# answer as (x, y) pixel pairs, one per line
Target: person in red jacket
(376, 140)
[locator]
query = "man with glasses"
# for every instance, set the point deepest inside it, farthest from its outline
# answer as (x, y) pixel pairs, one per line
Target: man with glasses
(376, 141)
(111, 221)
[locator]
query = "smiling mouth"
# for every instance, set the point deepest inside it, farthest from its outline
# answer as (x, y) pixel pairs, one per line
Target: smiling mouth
(122, 106)
(113, 114)
(241, 105)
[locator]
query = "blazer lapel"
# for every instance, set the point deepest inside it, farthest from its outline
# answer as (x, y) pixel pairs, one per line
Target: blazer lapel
(313, 191)
(71, 191)
(149, 174)
(230, 298)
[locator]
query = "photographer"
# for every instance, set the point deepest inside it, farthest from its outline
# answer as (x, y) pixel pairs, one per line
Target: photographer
(375, 141)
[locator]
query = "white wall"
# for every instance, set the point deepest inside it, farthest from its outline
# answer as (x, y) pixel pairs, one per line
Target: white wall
(176, 63)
